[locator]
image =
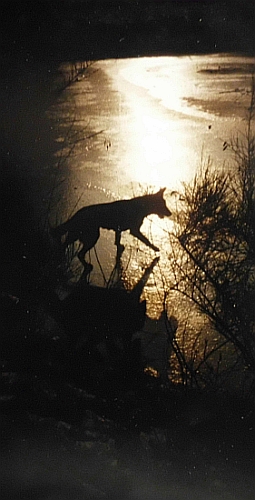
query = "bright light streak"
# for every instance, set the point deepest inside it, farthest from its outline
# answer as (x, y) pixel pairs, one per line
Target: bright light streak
(157, 153)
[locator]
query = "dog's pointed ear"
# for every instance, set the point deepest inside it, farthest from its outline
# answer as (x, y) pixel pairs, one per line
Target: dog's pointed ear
(161, 191)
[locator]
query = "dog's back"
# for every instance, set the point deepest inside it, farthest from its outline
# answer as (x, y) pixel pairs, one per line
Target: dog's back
(118, 215)
(127, 214)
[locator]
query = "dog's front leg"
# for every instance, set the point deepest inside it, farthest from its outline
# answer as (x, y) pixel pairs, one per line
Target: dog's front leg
(120, 248)
(137, 233)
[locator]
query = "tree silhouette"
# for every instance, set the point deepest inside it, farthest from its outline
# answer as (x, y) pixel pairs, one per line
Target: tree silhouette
(214, 260)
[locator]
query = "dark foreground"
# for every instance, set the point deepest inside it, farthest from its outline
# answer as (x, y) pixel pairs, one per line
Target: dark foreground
(98, 458)
(78, 415)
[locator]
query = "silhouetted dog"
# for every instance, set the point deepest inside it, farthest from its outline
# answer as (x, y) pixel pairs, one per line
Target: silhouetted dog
(118, 216)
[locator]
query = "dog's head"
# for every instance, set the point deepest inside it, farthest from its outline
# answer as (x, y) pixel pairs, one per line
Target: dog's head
(160, 205)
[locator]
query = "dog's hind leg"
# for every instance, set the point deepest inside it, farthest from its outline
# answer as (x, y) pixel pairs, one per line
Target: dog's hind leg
(87, 267)
(88, 241)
